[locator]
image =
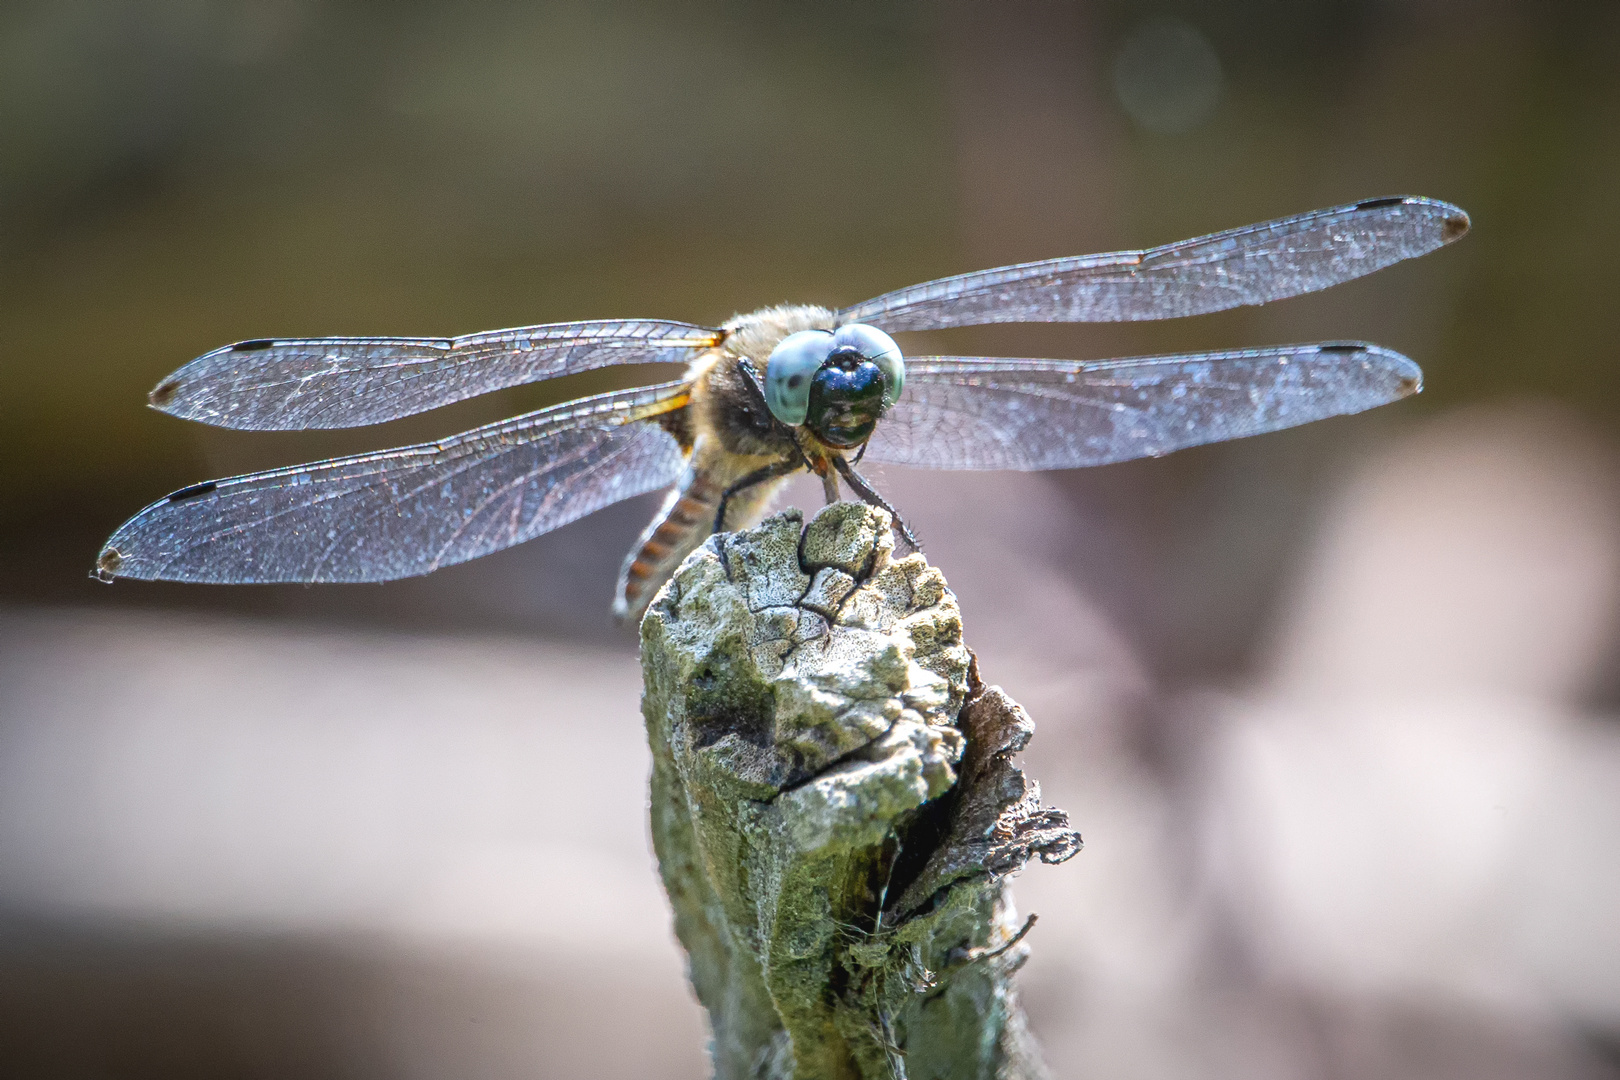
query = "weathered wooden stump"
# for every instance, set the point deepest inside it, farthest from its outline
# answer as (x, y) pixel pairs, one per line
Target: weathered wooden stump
(835, 810)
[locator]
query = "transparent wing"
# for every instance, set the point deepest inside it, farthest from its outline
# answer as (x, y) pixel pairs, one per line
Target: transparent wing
(399, 513)
(1252, 265)
(986, 413)
(351, 382)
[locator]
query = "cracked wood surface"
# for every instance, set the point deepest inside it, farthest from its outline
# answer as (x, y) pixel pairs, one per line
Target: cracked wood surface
(835, 810)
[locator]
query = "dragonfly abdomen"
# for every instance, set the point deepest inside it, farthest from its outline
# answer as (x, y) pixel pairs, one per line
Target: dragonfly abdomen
(684, 521)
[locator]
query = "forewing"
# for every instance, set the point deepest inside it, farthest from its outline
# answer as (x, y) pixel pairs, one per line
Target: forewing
(986, 413)
(351, 382)
(1252, 265)
(399, 513)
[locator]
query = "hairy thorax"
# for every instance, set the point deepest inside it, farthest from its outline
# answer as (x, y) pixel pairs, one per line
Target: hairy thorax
(731, 427)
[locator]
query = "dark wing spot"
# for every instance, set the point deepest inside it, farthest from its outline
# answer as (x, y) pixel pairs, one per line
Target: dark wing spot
(193, 491)
(1341, 348)
(1374, 204)
(1454, 227)
(1411, 386)
(164, 393)
(249, 346)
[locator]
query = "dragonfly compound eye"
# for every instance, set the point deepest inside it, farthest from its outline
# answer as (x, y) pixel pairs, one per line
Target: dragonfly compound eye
(793, 364)
(879, 348)
(846, 398)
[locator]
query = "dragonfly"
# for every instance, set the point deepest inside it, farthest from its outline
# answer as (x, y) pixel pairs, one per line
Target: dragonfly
(764, 396)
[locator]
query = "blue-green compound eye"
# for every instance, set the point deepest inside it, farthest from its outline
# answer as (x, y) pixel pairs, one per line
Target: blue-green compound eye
(793, 363)
(879, 348)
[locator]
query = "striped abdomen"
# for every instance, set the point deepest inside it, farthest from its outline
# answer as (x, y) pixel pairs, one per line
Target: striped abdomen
(685, 521)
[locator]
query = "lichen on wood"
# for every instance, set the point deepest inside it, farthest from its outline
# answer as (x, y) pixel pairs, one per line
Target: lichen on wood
(835, 810)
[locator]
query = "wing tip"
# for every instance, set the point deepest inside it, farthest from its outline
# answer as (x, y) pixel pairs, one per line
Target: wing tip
(164, 397)
(1408, 376)
(1455, 225)
(189, 399)
(1403, 369)
(108, 563)
(1409, 383)
(1454, 220)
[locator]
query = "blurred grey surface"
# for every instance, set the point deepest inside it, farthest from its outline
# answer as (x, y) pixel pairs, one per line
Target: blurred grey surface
(1334, 708)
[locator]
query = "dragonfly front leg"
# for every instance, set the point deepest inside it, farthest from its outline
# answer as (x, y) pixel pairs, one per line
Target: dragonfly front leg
(758, 476)
(829, 486)
(858, 482)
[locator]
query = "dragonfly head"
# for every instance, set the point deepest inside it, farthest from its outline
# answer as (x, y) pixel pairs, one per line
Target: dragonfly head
(846, 399)
(836, 383)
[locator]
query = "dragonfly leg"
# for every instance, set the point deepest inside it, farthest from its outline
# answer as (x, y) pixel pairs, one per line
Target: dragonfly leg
(758, 476)
(829, 486)
(867, 494)
(751, 377)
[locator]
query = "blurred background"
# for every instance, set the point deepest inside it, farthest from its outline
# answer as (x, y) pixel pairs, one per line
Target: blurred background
(1335, 708)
